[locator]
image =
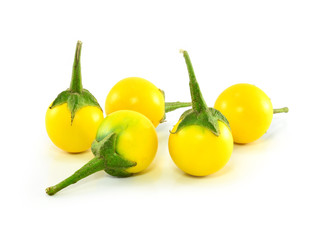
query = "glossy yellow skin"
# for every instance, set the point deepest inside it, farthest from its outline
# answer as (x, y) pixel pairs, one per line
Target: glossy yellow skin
(248, 110)
(76, 137)
(139, 95)
(137, 139)
(198, 152)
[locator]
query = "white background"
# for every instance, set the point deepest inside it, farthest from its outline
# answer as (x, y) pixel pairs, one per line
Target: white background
(272, 189)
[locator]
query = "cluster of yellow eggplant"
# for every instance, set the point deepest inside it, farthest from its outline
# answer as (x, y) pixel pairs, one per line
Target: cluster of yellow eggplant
(125, 141)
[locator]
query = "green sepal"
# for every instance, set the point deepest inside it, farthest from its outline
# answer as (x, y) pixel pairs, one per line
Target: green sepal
(95, 148)
(75, 101)
(118, 172)
(61, 99)
(207, 119)
(114, 164)
(213, 111)
(112, 158)
(163, 119)
(163, 93)
(185, 113)
(201, 119)
(219, 116)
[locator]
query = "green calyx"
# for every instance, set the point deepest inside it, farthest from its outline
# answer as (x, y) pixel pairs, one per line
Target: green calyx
(76, 97)
(200, 114)
(114, 164)
(105, 158)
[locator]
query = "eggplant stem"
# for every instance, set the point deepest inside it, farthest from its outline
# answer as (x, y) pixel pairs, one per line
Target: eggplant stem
(198, 103)
(171, 106)
(76, 82)
(95, 165)
(281, 110)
